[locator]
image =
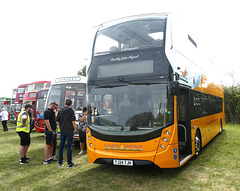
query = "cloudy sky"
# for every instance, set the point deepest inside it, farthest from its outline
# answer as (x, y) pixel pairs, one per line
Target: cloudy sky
(42, 40)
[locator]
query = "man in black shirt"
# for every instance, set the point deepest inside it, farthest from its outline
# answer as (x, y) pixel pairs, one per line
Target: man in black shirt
(67, 121)
(50, 131)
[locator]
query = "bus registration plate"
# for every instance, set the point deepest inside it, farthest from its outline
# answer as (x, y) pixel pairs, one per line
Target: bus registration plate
(123, 162)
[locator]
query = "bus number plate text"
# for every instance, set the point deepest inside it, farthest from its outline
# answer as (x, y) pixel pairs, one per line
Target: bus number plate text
(123, 162)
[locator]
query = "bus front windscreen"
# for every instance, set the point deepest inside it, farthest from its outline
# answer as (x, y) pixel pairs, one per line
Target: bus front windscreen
(128, 36)
(74, 92)
(21, 90)
(40, 104)
(18, 107)
(129, 109)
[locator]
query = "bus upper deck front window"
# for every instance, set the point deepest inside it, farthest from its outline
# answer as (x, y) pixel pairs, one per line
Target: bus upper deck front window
(39, 86)
(30, 87)
(47, 85)
(21, 90)
(130, 36)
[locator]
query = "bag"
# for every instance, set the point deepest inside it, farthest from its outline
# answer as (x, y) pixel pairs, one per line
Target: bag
(83, 128)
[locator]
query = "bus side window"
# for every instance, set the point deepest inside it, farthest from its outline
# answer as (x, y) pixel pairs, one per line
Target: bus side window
(196, 105)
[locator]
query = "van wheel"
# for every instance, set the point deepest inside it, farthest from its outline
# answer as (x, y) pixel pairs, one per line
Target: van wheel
(197, 143)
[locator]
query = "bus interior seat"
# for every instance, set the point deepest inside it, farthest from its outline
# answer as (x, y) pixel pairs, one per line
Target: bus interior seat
(125, 46)
(113, 49)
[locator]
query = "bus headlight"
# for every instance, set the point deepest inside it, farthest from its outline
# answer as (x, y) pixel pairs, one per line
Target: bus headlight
(165, 138)
(91, 144)
(89, 138)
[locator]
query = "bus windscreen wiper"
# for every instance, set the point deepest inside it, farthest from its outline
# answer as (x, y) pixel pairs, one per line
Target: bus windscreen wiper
(92, 82)
(110, 86)
(121, 79)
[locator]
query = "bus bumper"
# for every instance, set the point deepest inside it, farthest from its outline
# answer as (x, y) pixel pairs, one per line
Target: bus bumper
(164, 159)
(168, 158)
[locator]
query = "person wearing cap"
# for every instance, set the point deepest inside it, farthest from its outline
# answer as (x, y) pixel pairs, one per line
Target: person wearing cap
(23, 130)
(4, 115)
(67, 122)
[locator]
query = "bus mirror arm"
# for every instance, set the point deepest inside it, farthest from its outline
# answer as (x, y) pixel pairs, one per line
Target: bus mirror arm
(174, 84)
(175, 76)
(174, 87)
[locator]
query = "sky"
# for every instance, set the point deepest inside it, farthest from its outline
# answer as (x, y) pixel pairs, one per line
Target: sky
(42, 40)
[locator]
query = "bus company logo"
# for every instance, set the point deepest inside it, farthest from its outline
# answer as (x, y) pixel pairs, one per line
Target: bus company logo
(124, 58)
(184, 75)
(123, 147)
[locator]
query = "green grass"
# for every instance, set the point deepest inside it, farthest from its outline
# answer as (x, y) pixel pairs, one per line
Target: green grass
(217, 168)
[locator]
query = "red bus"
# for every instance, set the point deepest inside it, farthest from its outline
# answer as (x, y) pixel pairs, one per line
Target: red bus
(40, 108)
(19, 100)
(30, 96)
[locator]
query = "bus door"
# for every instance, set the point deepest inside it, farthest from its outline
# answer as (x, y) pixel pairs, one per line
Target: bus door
(184, 125)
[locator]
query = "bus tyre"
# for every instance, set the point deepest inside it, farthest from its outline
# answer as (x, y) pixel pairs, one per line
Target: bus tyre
(197, 143)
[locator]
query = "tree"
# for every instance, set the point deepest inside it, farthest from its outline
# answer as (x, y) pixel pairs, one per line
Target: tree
(232, 104)
(82, 72)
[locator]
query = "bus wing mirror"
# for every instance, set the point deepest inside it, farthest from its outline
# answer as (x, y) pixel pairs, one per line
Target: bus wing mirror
(174, 87)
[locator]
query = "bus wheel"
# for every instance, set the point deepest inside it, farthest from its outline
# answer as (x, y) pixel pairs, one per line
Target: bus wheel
(197, 143)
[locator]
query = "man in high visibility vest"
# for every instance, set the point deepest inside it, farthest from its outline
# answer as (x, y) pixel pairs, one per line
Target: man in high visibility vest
(23, 130)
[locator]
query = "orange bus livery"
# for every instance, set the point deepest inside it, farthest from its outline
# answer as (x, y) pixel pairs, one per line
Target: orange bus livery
(152, 97)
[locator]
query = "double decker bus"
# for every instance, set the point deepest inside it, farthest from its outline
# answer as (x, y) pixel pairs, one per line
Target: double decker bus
(41, 98)
(19, 100)
(32, 89)
(31, 93)
(73, 88)
(152, 97)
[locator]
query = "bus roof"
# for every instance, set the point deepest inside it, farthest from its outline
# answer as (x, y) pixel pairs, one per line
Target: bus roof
(131, 18)
(39, 82)
(22, 85)
(70, 79)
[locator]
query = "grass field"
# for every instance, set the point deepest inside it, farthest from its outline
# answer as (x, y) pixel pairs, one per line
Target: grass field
(217, 168)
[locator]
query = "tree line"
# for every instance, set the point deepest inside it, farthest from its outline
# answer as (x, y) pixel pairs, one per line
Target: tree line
(232, 103)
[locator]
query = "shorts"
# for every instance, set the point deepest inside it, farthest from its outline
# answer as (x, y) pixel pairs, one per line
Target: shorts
(24, 138)
(49, 137)
(82, 137)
